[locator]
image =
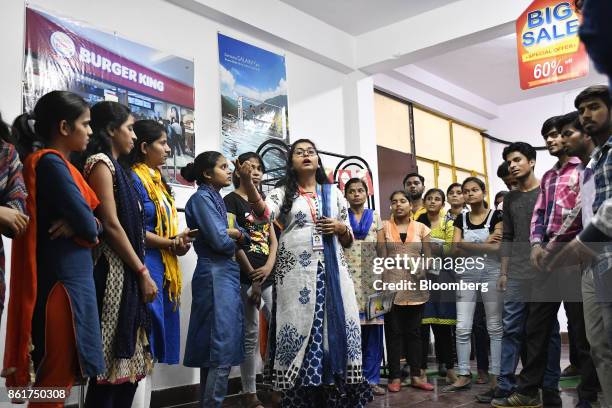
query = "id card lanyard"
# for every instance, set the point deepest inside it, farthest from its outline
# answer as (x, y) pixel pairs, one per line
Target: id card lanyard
(315, 211)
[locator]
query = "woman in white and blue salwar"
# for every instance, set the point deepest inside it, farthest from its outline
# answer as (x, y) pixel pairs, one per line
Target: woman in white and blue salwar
(215, 338)
(314, 354)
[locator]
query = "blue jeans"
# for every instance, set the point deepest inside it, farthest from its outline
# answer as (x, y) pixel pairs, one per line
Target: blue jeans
(213, 386)
(514, 319)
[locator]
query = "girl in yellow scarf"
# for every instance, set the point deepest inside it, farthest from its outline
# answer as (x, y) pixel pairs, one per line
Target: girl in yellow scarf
(163, 241)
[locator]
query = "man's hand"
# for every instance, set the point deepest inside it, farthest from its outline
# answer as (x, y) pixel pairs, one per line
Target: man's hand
(573, 253)
(537, 257)
(502, 283)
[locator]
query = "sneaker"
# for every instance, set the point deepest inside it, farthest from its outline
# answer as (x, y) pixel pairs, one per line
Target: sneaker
(584, 404)
(486, 397)
(570, 371)
(517, 400)
(492, 394)
(551, 397)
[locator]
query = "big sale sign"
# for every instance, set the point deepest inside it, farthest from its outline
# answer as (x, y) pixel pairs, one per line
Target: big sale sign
(549, 49)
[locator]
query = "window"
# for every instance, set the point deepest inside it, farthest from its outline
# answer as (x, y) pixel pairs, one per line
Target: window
(392, 123)
(447, 151)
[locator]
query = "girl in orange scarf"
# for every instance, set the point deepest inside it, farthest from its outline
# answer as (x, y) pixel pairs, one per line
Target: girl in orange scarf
(52, 304)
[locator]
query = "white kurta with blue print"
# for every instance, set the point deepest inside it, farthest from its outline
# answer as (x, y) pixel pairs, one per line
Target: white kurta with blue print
(295, 274)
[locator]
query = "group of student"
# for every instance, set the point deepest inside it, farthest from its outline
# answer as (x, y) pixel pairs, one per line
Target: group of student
(95, 279)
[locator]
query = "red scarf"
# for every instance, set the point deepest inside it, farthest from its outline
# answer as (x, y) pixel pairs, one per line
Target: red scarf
(17, 362)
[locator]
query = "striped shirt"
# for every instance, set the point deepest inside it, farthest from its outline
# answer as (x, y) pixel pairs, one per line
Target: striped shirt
(560, 187)
(12, 194)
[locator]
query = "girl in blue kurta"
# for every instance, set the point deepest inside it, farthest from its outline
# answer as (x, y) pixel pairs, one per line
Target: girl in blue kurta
(52, 302)
(215, 336)
(163, 243)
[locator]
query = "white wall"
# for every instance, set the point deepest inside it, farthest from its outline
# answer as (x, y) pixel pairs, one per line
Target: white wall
(316, 93)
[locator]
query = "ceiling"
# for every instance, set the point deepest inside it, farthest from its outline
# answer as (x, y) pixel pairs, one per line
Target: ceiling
(490, 70)
(356, 17)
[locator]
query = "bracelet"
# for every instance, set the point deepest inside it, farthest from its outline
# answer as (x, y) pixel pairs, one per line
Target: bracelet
(142, 270)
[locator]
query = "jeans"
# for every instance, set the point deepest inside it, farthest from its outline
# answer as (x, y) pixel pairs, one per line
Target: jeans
(466, 304)
(251, 335)
(597, 320)
(513, 340)
(213, 386)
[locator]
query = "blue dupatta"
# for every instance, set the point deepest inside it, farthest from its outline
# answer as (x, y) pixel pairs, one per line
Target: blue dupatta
(334, 307)
(361, 228)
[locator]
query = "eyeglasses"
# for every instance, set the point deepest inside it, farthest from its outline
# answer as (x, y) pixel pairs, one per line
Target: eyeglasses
(305, 153)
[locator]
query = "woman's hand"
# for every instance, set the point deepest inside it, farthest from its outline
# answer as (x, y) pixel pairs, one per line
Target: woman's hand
(148, 288)
(244, 170)
(61, 229)
(328, 226)
(13, 220)
(234, 233)
(494, 238)
(261, 274)
(182, 243)
(255, 296)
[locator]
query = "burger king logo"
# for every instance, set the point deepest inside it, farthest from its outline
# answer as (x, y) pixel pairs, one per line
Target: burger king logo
(63, 44)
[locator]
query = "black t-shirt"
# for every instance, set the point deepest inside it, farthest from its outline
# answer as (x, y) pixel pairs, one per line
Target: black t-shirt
(495, 219)
(259, 249)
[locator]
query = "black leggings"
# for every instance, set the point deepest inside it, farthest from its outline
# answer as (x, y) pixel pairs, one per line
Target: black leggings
(110, 395)
(443, 341)
(403, 329)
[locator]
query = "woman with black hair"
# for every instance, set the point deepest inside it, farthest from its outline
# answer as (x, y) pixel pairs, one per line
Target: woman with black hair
(477, 234)
(406, 238)
(440, 314)
(123, 282)
(163, 243)
(256, 262)
(314, 365)
(369, 236)
(215, 338)
(52, 304)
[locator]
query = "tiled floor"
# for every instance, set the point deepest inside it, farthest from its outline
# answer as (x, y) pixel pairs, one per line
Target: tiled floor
(409, 397)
